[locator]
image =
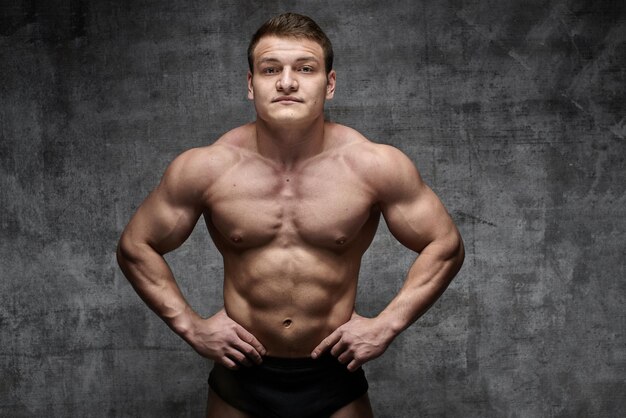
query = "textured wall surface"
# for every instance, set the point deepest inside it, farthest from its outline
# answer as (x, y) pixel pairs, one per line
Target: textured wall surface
(514, 112)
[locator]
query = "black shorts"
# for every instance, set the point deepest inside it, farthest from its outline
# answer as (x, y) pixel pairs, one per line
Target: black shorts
(289, 388)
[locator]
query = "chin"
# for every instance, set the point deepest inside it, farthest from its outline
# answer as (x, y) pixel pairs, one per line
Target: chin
(288, 119)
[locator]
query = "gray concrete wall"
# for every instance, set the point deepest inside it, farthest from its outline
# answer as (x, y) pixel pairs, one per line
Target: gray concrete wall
(513, 111)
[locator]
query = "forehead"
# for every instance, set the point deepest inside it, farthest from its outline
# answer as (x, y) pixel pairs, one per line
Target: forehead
(286, 48)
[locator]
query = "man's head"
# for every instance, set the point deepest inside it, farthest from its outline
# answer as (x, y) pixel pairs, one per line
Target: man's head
(291, 73)
(292, 25)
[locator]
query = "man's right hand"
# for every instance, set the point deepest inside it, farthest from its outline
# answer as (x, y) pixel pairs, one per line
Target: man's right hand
(224, 341)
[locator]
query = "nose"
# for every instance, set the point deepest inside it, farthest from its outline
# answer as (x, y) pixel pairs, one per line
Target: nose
(287, 82)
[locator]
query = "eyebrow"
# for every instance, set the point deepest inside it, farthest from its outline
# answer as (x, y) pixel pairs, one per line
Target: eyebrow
(273, 60)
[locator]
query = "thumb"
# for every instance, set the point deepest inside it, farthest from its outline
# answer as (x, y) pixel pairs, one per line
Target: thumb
(326, 344)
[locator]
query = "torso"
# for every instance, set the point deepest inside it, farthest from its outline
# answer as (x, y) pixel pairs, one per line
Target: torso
(292, 240)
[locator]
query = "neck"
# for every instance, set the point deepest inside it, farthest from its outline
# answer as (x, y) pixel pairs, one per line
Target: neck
(288, 145)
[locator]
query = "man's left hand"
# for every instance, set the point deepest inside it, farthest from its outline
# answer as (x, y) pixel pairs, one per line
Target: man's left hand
(356, 342)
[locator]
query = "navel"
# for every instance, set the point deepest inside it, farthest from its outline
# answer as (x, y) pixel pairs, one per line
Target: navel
(287, 323)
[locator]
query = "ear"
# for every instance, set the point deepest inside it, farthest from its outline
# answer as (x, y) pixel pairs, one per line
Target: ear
(250, 89)
(330, 84)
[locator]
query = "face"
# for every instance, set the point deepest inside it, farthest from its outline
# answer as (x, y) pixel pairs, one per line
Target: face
(289, 84)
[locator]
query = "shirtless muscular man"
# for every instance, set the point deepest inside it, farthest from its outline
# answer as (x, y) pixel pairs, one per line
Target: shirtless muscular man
(292, 202)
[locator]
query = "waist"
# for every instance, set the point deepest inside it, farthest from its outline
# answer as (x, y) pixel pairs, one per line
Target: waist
(296, 363)
(286, 333)
(286, 329)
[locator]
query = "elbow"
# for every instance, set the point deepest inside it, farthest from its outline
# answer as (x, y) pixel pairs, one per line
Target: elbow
(126, 251)
(452, 251)
(458, 251)
(122, 253)
(130, 256)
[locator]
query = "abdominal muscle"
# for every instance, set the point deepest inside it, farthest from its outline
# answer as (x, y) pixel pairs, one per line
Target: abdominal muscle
(289, 299)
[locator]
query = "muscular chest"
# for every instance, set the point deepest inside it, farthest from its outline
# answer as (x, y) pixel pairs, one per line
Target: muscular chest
(322, 205)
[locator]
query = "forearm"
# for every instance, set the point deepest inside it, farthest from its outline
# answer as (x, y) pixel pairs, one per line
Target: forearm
(427, 279)
(152, 279)
(361, 339)
(218, 338)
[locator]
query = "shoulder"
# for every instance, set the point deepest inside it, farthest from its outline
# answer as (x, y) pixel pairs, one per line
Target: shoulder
(196, 169)
(383, 167)
(364, 151)
(213, 160)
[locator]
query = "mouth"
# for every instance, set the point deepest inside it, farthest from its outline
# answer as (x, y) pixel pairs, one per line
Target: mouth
(287, 99)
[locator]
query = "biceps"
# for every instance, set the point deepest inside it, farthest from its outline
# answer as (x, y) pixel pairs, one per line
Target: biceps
(417, 221)
(162, 224)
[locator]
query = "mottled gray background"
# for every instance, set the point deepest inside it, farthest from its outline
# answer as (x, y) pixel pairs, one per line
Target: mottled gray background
(514, 111)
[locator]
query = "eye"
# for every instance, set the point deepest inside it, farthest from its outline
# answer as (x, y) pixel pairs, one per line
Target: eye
(306, 69)
(269, 70)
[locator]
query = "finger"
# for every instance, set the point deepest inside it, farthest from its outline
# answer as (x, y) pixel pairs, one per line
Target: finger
(248, 351)
(249, 345)
(239, 357)
(342, 347)
(251, 340)
(345, 357)
(354, 365)
(228, 363)
(326, 343)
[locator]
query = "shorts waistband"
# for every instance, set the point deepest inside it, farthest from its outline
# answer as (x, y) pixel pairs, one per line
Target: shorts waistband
(297, 362)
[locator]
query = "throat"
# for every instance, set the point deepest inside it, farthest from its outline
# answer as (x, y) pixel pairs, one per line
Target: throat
(288, 146)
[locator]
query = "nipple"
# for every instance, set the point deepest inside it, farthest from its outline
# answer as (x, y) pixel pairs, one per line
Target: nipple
(340, 241)
(287, 323)
(236, 238)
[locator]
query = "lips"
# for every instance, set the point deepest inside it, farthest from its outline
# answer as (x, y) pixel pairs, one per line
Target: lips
(287, 99)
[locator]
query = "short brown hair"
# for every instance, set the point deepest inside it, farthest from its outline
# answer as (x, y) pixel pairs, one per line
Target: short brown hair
(295, 26)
